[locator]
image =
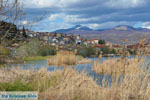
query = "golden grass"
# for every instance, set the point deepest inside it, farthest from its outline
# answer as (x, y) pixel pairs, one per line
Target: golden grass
(65, 58)
(85, 61)
(64, 85)
(70, 85)
(116, 66)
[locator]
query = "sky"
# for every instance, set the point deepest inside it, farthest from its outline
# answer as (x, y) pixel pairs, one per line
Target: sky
(50, 15)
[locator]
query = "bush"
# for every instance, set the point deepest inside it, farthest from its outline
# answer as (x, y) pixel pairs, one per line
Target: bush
(4, 54)
(86, 51)
(101, 41)
(29, 49)
(4, 51)
(107, 50)
(47, 50)
(33, 47)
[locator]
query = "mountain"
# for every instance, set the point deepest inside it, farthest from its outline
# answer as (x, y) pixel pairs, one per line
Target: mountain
(115, 35)
(76, 28)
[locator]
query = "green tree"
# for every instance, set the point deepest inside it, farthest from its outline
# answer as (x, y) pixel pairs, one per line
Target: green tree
(29, 49)
(47, 50)
(101, 41)
(105, 50)
(24, 32)
(86, 51)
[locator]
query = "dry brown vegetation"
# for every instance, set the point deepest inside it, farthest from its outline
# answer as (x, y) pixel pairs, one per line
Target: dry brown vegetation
(116, 66)
(70, 85)
(65, 58)
(85, 61)
(124, 65)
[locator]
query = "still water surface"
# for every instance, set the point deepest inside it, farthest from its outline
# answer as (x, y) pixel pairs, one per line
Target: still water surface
(86, 68)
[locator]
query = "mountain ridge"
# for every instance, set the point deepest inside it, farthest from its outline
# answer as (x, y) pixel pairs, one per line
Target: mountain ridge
(115, 35)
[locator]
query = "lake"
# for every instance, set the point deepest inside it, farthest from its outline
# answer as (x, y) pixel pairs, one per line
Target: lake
(86, 68)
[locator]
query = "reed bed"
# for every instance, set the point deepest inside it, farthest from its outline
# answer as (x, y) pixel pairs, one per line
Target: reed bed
(65, 58)
(116, 66)
(85, 61)
(68, 84)
(64, 84)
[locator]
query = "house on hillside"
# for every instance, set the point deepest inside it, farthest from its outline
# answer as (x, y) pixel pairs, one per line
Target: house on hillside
(138, 46)
(55, 40)
(92, 42)
(78, 41)
(66, 40)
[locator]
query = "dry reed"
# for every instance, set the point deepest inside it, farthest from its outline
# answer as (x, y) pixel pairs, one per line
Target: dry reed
(70, 85)
(65, 58)
(85, 61)
(116, 66)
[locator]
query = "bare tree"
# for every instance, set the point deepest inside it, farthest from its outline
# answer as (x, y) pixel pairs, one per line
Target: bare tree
(10, 12)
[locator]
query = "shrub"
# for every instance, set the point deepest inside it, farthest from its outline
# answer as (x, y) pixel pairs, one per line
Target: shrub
(101, 41)
(33, 47)
(107, 50)
(29, 49)
(47, 50)
(86, 51)
(4, 54)
(4, 51)
(22, 51)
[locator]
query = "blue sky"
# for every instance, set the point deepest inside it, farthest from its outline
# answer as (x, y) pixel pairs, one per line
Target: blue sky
(96, 14)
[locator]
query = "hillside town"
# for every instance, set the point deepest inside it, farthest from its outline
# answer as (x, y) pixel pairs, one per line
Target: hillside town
(63, 40)
(59, 41)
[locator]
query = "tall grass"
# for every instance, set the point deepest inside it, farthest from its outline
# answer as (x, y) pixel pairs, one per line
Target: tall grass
(65, 58)
(68, 84)
(116, 66)
(64, 84)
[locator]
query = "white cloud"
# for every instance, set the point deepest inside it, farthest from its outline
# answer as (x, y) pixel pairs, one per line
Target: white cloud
(54, 17)
(94, 26)
(24, 22)
(146, 25)
(41, 3)
(49, 26)
(49, 3)
(125, 3)
(104, 13)
(77, 19)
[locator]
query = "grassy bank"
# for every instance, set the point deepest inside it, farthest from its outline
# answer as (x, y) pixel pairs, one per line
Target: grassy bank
(34, 58)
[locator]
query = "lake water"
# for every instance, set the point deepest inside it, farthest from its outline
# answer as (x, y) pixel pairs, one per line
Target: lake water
(86, 68)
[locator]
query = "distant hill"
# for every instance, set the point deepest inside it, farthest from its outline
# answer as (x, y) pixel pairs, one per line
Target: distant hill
(115, 35)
